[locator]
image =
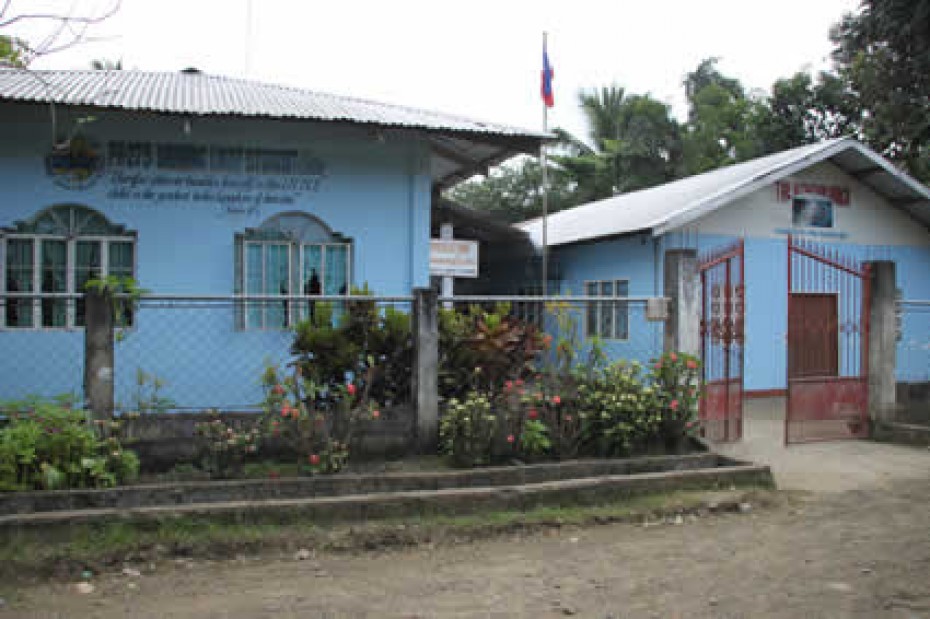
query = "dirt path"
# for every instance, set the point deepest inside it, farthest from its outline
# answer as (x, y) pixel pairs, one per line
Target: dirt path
(859, 553)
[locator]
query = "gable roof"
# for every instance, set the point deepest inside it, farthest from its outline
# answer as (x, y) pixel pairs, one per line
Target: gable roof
(461, 146)
(665, 207)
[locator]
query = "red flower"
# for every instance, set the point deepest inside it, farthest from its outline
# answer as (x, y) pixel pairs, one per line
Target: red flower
(351, 388)
(508, 385)
(673, 357)
(314, 459)
(278, 390)
(532, 414)
(658, 366)
(375, 414)
(273, 474)
(692, 364)
(547, 340)
(510, 438)
(556, 400)
(519, 382)
(285, 410)
(674, 405)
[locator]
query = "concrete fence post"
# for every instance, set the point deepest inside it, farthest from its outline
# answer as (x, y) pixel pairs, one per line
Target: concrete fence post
(882, 341)
(426, 369)
(683, 327)
(98, 354)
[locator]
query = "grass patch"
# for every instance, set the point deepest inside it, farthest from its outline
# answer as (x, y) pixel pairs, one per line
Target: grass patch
(66, 552)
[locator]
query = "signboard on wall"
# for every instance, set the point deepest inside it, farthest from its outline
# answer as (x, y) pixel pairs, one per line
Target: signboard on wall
(453, 258)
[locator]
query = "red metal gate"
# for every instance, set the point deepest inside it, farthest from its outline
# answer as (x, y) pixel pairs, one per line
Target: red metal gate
(828, 329)
(722, 341)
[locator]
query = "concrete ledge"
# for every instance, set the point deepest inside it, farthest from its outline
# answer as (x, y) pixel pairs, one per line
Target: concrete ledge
(413, 504)
(185, 493)
(902, 433)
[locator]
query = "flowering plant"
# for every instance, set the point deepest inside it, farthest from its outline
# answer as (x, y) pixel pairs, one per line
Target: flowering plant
(226, 446)
(676, 377)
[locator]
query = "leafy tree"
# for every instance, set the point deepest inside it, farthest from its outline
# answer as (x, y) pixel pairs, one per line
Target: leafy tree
(801, 110)
(884, 53)
(11, 52)
(103, 64)
(513, 191)
(719, 130)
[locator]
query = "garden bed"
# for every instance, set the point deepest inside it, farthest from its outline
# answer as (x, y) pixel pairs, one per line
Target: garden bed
(355, 497)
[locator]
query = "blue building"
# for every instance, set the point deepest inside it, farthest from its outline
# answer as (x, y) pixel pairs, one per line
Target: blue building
(838, 201)
(202, 185)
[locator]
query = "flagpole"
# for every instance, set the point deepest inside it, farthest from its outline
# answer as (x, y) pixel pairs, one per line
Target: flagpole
(545, 197)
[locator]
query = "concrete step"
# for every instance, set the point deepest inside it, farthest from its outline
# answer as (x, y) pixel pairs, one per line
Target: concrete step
(412, 504)
(184, 493)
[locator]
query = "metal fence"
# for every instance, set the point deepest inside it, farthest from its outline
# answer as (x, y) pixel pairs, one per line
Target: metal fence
(913, 361)
(209, 352)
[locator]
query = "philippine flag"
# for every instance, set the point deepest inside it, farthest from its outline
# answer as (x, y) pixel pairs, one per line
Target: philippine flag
(547, 75)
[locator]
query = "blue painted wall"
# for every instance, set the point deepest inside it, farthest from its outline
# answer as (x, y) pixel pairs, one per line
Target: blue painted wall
(632, 258)
(375, 192)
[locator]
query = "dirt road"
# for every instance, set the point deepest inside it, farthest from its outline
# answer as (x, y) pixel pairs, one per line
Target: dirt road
(859, 553)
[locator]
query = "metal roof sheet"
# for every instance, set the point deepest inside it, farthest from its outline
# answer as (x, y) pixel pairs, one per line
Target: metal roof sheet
(680, 202)
(202, 94)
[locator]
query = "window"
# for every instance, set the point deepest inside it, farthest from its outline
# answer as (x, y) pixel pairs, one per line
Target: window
(291, 254)
(608, 320)
(58, 251)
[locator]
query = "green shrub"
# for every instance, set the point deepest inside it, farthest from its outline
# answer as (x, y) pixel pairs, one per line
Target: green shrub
(225, 447)
(468, 429)
(49, 445)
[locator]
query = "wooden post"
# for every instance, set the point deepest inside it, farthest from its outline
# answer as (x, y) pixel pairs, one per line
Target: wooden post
(882, 341)
(98, 354)
(682, 329)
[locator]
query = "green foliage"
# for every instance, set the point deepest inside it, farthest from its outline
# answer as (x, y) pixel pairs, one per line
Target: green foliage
(481, 348)
(124, 294)
(883, 53)
(49, 445)
(147, 397)
(467, 430)
(358, 341)
(534, 441)
(12, 52)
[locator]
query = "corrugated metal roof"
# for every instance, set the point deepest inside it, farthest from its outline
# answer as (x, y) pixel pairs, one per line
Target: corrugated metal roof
(680, 202)
(202, 94)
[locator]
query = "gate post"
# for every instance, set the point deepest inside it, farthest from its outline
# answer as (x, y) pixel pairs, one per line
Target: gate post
(98, 353)
(683, 328)
(425, 380)
(882, 340)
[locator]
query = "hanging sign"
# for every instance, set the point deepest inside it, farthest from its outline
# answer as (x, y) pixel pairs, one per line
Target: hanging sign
(453, 258)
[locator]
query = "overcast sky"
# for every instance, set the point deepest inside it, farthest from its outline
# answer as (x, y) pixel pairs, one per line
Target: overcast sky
(476, 58)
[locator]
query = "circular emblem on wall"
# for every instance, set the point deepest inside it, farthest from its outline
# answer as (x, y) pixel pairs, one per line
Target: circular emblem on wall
(75, 164)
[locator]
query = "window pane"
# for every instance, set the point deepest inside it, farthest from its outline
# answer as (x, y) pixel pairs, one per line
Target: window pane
(19, 262)
(87, 266)
(336, 278)
(121, 258)
(622, 311)
(590, 325)
(53, 278)
(253, 283)
(120, 264)
(311, 274)
(277, 281)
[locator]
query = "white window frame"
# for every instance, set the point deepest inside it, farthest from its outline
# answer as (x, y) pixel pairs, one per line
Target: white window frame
(70, 274)
(600, 307)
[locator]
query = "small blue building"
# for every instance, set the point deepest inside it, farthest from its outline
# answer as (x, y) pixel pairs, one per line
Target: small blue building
(197, 185)
(841, 204)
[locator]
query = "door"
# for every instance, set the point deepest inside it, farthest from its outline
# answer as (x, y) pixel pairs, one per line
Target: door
(813, 336)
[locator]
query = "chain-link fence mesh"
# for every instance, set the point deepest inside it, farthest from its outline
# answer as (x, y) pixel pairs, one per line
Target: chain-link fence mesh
(497, 334)
(913, 361)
